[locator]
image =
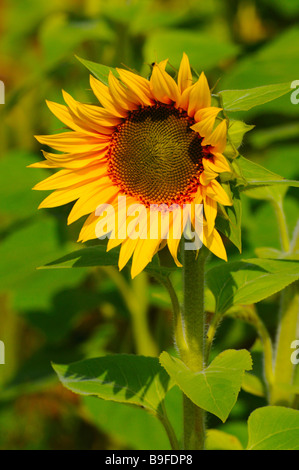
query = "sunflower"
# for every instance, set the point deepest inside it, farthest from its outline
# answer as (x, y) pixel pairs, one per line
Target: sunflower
(159, 142)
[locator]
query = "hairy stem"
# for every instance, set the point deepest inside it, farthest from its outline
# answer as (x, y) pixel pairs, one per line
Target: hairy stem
(193, 355)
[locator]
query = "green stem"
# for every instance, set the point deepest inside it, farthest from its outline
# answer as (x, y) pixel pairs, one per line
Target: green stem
(288, 327)
(282, 224)
(169, 429)
(211, 334)
(179, 336)
(193, 355)
(136, 299)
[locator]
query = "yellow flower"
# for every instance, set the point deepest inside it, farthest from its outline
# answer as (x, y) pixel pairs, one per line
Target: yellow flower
(154, 141)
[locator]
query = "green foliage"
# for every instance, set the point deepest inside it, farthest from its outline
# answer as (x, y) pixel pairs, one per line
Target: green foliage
(243, 100)
(250, 281)
(64, 315)
(99, 71)
(123, 378)
(273, 428)
(216, 388)
(219, 440)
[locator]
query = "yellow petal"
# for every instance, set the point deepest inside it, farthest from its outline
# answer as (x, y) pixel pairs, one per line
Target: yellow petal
(65, 116)
(64, 196)
(173, 245)
(94, 115)
(210, 208)
(143, 254)
(214, 243)
(185, 75)
(73, 161)
(205, 113)
(200, 96)
(102, 194)
(44, 164)
(88, 231)
(74, 142)
(139, 85)
(126, 251)
(184, 99)
(207, 176)
(101, 91)
(218, 138)
(217, 162)
(74, 122)
(216, 192)
(145, 248)
(163, 86)
(65, 178)
(206, 120)
(122, 97)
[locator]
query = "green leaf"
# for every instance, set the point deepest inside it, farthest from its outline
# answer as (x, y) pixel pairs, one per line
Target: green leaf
(243, 100)
(263, 138)
(236, 132)
(254, 173)
(219, 440)
(273, 428)
(100, 71)
(85, 257)
(261, 183)
(216, 388)
(123, 378)
(228, 220)
(98, 256)
(247, 282)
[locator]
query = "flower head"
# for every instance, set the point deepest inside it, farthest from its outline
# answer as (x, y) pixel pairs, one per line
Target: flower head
(158, 142)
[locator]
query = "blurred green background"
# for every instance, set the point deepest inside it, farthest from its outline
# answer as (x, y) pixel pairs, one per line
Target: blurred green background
(62, 316)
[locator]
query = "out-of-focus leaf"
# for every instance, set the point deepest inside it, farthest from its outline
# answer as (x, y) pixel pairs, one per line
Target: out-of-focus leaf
(269, 253)
(250, 281)
(60, 36)
(219, 440)
(264, 137)
(22, 252)
(134, 427)
(264, 216)
(243, 100)
(253, 384)
(216, 388)
(273, 428)
(124, 378)
(204, 50)
(288, 8)
(130, 425)
(17, 201)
